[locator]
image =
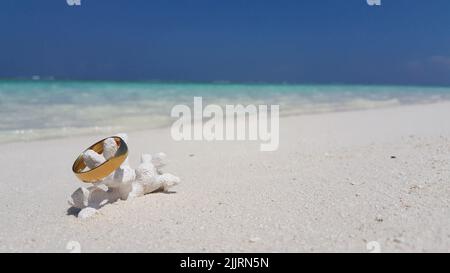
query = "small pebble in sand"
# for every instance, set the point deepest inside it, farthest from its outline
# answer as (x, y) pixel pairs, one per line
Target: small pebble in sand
(254, 239)
(378, 218)
(393, 157)
(398, 240)
(416, 187)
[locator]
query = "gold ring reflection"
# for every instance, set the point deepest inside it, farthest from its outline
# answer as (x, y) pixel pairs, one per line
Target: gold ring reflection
(105, 169)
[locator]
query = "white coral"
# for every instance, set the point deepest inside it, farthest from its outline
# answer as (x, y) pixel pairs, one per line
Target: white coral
(94, 197)
(137, 190)
(146, 169)
(109, 148)
(159, 160)
(87, 212)
(92, 159)
(167, 181)
(125, 183)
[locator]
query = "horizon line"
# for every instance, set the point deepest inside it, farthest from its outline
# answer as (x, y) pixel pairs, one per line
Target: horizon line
(217, 82)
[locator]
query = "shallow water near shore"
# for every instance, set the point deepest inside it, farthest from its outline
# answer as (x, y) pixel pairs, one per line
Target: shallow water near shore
(48, 109)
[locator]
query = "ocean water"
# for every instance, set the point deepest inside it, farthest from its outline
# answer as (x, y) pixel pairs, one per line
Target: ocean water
(49, 109)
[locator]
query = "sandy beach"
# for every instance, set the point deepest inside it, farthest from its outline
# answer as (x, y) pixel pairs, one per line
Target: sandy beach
(338, 181)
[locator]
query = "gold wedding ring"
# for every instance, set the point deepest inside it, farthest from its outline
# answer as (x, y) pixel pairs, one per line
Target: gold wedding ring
(105, 169)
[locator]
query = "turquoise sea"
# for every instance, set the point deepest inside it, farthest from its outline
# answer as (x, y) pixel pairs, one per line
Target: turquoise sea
(48, 109)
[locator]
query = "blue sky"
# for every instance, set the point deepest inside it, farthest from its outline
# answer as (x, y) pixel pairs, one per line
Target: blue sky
(298, 41)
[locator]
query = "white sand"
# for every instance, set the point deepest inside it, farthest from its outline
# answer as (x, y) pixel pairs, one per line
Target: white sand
(332, 186)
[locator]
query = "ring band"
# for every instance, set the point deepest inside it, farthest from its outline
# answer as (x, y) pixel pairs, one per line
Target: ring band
(105, 169)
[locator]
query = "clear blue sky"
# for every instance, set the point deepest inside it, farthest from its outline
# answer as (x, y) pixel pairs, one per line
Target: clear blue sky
(298, 41)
